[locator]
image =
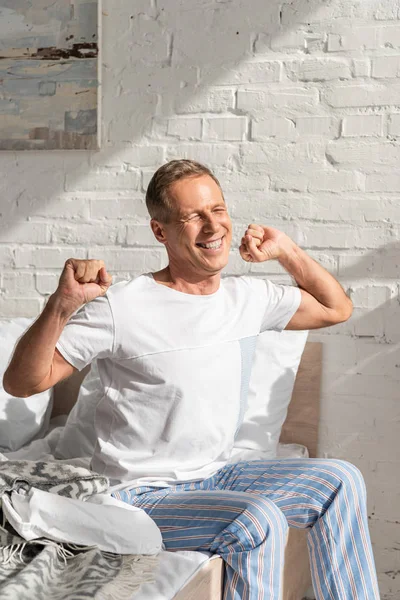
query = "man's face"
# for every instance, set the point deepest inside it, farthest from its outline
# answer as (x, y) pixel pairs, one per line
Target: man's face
(199, 234)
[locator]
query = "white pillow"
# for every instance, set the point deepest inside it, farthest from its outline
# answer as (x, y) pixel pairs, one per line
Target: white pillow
(277, 358)
(21, 419)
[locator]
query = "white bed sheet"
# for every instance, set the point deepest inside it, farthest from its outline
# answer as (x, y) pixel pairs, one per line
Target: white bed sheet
(174, 571)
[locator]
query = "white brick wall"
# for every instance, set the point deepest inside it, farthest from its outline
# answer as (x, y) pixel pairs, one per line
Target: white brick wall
(296, 105)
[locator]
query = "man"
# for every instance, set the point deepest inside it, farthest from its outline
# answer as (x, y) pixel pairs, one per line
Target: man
(169, 349)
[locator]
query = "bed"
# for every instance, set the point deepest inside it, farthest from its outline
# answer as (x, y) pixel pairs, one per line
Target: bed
(197, 576)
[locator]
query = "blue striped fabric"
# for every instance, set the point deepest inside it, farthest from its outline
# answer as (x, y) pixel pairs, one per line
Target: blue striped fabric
(243, 513)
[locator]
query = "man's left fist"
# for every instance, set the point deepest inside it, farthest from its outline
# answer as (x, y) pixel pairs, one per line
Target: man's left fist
(263, 243)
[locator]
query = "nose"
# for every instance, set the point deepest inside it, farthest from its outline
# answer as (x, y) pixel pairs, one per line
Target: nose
(211, 224)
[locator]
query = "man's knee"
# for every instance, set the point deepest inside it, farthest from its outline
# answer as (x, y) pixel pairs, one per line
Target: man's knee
(349, 477)
(259, 519)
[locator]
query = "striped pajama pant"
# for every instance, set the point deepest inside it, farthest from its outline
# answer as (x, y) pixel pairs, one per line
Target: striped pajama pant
(243, 513)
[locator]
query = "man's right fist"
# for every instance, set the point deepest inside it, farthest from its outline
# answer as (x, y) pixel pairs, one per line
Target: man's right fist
(80, 282)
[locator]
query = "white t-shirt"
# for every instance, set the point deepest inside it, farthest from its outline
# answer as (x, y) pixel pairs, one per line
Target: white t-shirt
(174, 370)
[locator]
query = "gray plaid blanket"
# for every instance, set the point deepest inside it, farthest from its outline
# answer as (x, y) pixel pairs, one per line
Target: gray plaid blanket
(44, 569)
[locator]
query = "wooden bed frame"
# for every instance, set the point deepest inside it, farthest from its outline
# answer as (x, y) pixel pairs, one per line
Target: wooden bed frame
(300, 427)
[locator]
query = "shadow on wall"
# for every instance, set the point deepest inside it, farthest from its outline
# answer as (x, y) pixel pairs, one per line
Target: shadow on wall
(360, 410)
(157, 62)
(373, 283)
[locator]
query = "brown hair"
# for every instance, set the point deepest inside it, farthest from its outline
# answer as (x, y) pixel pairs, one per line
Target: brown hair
(158, 201)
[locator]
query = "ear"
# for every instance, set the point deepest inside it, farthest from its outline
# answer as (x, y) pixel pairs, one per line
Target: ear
(158, 230)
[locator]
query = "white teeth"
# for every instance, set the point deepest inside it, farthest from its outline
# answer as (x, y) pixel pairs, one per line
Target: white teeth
(212, 245)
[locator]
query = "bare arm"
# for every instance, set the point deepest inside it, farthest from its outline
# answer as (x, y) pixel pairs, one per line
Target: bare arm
(323, 300)
(36, 365)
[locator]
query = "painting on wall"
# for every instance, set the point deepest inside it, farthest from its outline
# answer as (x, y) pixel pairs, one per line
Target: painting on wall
(49, 74)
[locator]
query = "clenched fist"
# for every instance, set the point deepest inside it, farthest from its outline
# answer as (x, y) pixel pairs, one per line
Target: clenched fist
(80, 282)
(261, 243)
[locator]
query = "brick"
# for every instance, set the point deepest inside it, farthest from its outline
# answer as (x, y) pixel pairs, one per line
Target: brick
(362, 125)
(385, 11)
(289, 182)
(242, 181)
(354, 38)
(361, 265)
(345, 236)
(213, 100)
(280, 127)
(141, 235)
(363, 154)
(370, 296)
(82, 181)
(225, 128)
(6, 257)
(134, 156)
(386, 66)
(317, 126)
(183, 128)
(390, 263)
(318, 69)
(63, 207)
(284, 40)
(358, 209)
(291, 98)
(394, 125)
(275, 154)
(333, 42)
(296, 40)
(88, 234)
(46, 258)
(242, 73)
(18, 284)
(361, 67)
(252, 100)
(20, 307)
(361, 95)
(23, 232)
(389, 35)
(209, 154)
(382, 182)
(119, 208)
(259, 206)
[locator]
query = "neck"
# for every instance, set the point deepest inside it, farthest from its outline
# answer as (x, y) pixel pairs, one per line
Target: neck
(189, 283)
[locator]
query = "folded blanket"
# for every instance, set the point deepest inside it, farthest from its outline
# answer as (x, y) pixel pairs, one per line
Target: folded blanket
(57, 478)
(44, 568)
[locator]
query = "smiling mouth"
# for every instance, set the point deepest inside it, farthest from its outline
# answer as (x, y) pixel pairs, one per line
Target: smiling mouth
(211, 245)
